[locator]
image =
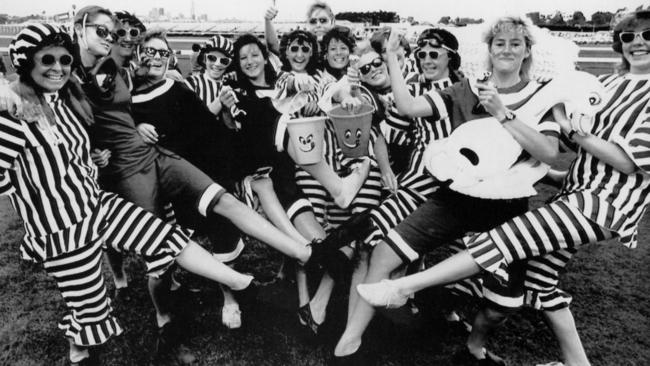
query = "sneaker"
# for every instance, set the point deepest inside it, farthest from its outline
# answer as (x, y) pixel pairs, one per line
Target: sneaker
(383, 293)
(465, 358)
(231, 316)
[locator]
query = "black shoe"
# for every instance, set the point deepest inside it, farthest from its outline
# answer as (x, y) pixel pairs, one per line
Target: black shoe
(357, 227)
(463, 357)
(169, 349)
(307, 320)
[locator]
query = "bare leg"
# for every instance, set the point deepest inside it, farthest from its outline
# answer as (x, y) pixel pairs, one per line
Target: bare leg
(116, 263)
(231, 315)
(358, 276)
(77, 353)
(255, 225)
(452, 269)
(199, 261)
(309, 228)
(343, 190)
(486, 320)
(160, 296)
(564, 327)
(383, 261)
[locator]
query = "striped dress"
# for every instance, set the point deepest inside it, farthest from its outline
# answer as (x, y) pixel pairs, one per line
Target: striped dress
(205, 87)
(596, 202)
(46, 169)
(415, 184)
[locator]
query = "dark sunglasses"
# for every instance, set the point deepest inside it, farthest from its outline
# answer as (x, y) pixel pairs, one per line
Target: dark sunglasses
(314, 21)
(225, 61)
(151, 52)
(366, 68)
(628, 37)
(423, 54)
(133, 32)
(101, 30)
(295, 48)
(435, 44)
(49, 60)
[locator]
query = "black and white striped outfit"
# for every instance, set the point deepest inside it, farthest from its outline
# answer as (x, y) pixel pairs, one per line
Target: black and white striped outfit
(327, 213)
(596, 201)
(205, 87)
(415, 183)
(50, 178)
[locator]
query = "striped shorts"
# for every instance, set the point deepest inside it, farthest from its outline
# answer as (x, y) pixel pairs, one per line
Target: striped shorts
(548, 229)
(534, 284)
(124, 227)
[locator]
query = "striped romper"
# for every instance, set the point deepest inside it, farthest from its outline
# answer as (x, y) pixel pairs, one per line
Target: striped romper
(596, 202)
(50, 178)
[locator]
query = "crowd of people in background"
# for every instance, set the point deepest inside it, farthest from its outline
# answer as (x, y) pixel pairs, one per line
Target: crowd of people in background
(106, 148)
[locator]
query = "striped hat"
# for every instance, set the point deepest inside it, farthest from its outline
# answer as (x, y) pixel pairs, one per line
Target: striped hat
(31, 38)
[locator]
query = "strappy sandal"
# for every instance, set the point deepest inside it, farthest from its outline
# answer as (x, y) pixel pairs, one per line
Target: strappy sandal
(307, 320)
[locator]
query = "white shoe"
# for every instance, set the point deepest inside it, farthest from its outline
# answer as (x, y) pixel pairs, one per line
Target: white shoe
(554, 363)
(231, 316)
(383, 293)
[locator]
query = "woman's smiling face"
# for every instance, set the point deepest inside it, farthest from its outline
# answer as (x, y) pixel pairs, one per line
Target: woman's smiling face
(251, 62)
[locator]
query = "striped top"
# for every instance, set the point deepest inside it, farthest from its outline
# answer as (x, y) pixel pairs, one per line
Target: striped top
(610, 198)
(49, 175)
(427, 129)
(205, 87)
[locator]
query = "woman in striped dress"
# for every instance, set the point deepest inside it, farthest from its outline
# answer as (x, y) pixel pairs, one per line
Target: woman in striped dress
(46, 169)
(448, 215)
(604, 195)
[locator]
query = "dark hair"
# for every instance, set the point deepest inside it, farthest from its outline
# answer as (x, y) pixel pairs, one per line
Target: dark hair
(126, 17)
(196, 47)
(155, 34)
(339, 33)
(444, 38)
(380, 36)
(628, 22)
(303, 37)
(246, 39)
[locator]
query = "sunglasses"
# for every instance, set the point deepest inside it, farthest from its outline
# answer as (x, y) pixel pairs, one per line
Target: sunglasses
(225, 61)
(151, 52)
(315, 21)
(423, 54)
(295, 48)
(366, 68)
(435, 44)
(102, 31)
(628, 37)
(133, 32)
(49, 60)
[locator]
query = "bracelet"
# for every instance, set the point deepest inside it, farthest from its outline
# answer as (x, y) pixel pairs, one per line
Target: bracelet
(571, 134)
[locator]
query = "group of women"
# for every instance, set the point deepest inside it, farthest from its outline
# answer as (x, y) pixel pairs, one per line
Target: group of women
(105, 149)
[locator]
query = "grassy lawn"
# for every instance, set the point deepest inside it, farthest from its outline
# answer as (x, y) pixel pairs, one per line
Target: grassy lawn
(609, 284)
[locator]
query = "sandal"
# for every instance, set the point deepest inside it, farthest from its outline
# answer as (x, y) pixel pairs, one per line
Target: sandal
(306, 319)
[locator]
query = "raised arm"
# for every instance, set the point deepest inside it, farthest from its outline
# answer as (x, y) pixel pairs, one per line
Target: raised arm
(406, 104)
(271, 37)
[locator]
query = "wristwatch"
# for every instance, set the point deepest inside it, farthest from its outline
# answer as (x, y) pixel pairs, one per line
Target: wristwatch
(509, 116)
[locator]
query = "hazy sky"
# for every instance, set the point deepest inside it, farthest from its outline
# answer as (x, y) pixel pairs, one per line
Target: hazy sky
(430, 10)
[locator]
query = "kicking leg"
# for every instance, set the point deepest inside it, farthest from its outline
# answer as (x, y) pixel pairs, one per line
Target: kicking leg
(342, 190)
(383, 261)
(564, 327)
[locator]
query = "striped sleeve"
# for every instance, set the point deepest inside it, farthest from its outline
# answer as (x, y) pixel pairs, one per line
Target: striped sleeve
(5, 184)
(438, 107)
(637, 144)
(12, 141)
(548, 126)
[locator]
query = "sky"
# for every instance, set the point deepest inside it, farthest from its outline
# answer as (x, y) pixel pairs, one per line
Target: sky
(422, 10)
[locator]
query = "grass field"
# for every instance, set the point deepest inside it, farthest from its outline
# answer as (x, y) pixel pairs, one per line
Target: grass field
(611, 304)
